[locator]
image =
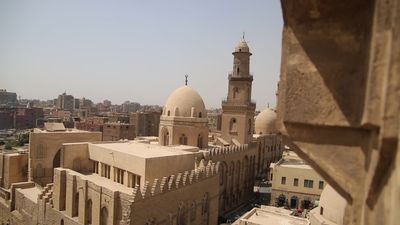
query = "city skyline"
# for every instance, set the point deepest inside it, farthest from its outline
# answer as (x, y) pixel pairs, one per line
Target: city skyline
(136, 52)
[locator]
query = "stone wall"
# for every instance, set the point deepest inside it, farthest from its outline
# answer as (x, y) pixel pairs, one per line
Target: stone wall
(338, 99)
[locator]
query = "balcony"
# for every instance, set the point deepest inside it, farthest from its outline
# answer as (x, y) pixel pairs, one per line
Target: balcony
(232, 77)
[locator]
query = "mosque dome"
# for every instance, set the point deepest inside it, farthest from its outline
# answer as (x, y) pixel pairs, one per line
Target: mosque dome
(185, 102)
(265, 122)
(242, 47)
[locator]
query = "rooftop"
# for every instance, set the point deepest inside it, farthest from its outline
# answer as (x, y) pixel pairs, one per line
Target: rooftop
(270, 216)
(144, 150)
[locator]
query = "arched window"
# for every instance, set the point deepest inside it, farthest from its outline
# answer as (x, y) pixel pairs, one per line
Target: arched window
(169, 113)
(200, 141)
(181, 214)
(62, 222)
(104, 216)
(89, 212)
(233, 125)
(199, 114)
(235, 91)
(76, 205)
(237, 70)
(183, 140)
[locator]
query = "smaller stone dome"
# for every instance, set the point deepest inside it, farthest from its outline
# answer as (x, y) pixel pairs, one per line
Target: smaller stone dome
(265, 122)
(242, 47)
(185, 102)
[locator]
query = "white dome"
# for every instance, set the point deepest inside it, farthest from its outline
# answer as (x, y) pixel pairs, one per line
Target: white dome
(265, 122)
(185, 102)
(242, 47)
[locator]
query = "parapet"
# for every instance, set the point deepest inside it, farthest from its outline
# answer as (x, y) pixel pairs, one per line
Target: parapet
(225, 150)
(174, 182)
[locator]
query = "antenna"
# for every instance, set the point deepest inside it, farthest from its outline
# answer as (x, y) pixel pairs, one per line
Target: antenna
(186, 79)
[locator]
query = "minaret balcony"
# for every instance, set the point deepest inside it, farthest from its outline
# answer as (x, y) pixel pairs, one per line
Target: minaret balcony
(240, 77)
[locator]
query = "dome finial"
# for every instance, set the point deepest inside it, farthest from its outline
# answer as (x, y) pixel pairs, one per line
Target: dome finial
(186, 79)
(243, 36)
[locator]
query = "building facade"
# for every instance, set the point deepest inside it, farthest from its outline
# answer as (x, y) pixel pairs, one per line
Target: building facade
(118, 131)
(146, 123)
(238, 109)
(294, 183)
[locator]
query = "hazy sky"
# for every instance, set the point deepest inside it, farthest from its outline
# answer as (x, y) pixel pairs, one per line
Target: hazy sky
(136, 50)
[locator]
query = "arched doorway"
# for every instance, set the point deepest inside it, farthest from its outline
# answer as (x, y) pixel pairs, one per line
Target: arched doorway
(294, 201)
(281, 200)
(200, 141)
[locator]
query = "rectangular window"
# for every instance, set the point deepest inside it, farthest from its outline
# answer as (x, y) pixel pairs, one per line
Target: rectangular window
(321, 184)
(283, 181)
(308, 183)
(296, 182)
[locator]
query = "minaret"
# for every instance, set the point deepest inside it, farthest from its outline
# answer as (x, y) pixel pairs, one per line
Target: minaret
(238, 110)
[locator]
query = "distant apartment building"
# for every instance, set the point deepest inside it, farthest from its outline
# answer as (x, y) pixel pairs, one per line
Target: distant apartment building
(76, 103)
(92, 124)
(214, 121)
(119, 119)
(146, 123)
(128, 107)
(7, 118)
(65, 102)
(21, 118)
(8, 99)
(26, 118)
(85, 103)
(118, 131)
(294, 183)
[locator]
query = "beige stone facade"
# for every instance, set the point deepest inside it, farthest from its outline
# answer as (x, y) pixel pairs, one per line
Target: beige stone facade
(238, 109)
(44, 150)
(184, 119)
(338, 100)
(294, 183)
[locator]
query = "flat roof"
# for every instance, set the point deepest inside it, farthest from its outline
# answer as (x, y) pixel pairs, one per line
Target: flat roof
(295, 164)
(68, 130)
(267, 216)
(144, 150)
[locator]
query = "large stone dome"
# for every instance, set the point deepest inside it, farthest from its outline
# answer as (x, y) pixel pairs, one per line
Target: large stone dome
(242, 47)
(265, 122)
(185, 102)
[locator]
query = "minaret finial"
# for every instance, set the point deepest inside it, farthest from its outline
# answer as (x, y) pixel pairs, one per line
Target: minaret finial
(243, 35)
(186, 79)
(268, 105)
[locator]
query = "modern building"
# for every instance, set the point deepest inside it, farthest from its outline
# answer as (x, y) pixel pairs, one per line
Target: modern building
(8, 99)
(66, 102)
(117, 131)
(294, 183)
(214, 121)
(146, 123)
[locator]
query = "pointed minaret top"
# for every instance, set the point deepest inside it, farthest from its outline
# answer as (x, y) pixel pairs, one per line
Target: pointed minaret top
(186, 79)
